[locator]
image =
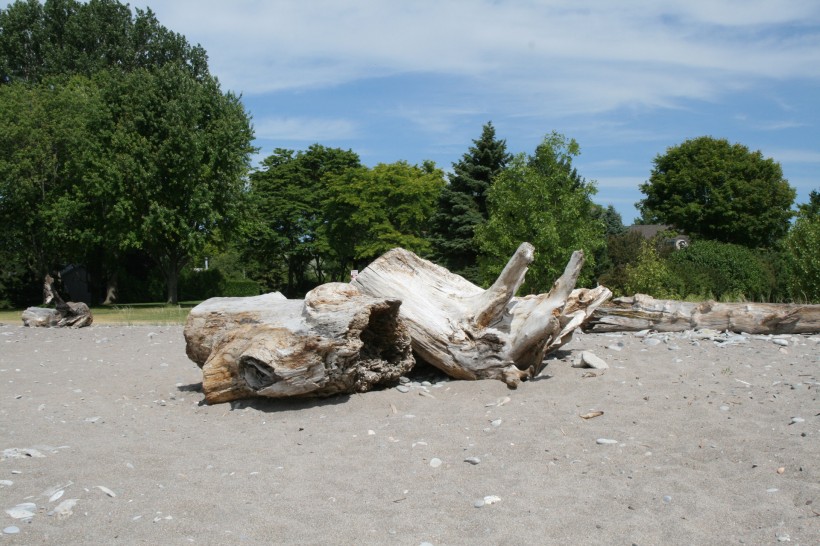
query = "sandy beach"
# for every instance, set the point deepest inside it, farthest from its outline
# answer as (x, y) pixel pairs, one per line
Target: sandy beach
(704, 439)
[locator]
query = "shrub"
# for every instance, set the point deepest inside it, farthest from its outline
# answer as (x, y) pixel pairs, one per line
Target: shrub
(722, 271)
(650, 274)
(240, 288)
(802, 259)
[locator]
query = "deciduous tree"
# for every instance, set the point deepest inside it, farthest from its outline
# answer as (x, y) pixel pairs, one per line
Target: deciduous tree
(710, 188)
(370, 211)
(543, 200)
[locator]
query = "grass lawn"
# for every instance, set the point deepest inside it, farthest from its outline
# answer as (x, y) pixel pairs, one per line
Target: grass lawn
(129, 314)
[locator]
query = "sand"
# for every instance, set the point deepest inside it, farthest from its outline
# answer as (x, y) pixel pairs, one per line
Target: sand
(704, 449)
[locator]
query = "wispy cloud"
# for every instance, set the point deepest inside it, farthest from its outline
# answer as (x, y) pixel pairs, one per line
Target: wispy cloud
(595, 55)
(304, 129)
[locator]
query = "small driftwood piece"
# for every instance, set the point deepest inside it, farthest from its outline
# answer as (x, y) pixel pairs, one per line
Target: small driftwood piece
(642, 312)
(472, 333)
(336, 340)
(65, 314)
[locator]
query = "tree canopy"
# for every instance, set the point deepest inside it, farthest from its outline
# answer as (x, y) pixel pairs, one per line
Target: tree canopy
(115, 138)
(710, 188)
(370, 211)
(66, 37)
(463, 203)
(288, 196)
(541, 199)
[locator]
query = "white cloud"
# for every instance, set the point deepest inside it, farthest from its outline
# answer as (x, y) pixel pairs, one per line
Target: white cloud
(304, 129)
(585, 55)
(795, 156)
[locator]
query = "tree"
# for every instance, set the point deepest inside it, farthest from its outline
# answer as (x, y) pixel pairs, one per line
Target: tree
(463, 203)
(48, 136)
(370, 211)
(117, 138)
(288, 193)
(541, 199)
(175, 168)
(67, 37)
(802, 256)
(710, 188)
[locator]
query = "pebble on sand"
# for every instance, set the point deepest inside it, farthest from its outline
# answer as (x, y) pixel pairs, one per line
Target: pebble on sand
(11, 530)
(472, 460)
(605, 441)
(435, 462)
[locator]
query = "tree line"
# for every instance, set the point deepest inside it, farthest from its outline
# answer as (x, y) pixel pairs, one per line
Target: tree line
(120, 151)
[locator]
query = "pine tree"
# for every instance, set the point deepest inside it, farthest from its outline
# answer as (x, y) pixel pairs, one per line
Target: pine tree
(463, 203)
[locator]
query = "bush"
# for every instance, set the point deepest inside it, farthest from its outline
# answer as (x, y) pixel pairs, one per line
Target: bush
(803, 259)
(241, 288)
(722, 271)
(650, 274)
(200, 285)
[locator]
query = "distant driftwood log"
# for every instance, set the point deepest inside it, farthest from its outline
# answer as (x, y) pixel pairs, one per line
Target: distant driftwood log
(65, 314)
(642, 312)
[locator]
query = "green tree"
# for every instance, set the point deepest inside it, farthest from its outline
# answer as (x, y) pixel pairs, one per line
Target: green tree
(463, 203)
(288, 194)
(48, 138)
(175, 167)
(650, 274)
(710, 188)
(66, 37)
(801, 252)
(370, 211)
(543, 200)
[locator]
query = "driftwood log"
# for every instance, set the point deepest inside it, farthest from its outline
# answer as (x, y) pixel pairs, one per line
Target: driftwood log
(471, 333)
(642, 312)
(65, 314)
(336, 340)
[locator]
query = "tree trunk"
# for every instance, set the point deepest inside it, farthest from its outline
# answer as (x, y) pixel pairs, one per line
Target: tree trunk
(65, 314)
(642, 312)
(336, 340)
(470, 333)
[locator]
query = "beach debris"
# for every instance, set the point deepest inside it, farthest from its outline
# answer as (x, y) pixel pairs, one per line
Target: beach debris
(24, 510)
(472, 460)
(471, 333)
(21, 453)
(589, 359)
(489, 499)
(64, 509)
(641, 311)
(796, 420)
(336, 340)
(605, 441)
(65, 314)
(107, 491)
(591, 414)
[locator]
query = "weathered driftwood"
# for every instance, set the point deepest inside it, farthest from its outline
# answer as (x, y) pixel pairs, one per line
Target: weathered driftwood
(336, 340)
(642, 312)
(471, 333)
(65, 314)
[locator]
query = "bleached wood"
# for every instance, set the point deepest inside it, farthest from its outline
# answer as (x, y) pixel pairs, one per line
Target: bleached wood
(65, 314)
(641, 312)
(336, 340)
(471, 333)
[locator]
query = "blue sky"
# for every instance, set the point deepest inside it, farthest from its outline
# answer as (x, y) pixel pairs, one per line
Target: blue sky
(415, 80)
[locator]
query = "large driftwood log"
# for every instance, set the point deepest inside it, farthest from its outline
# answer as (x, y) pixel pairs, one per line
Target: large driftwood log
(471, 333)
(65, 314)
(335, 341)
(642, 312)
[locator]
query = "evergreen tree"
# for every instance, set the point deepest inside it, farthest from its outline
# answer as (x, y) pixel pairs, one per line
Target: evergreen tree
(463, 203)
